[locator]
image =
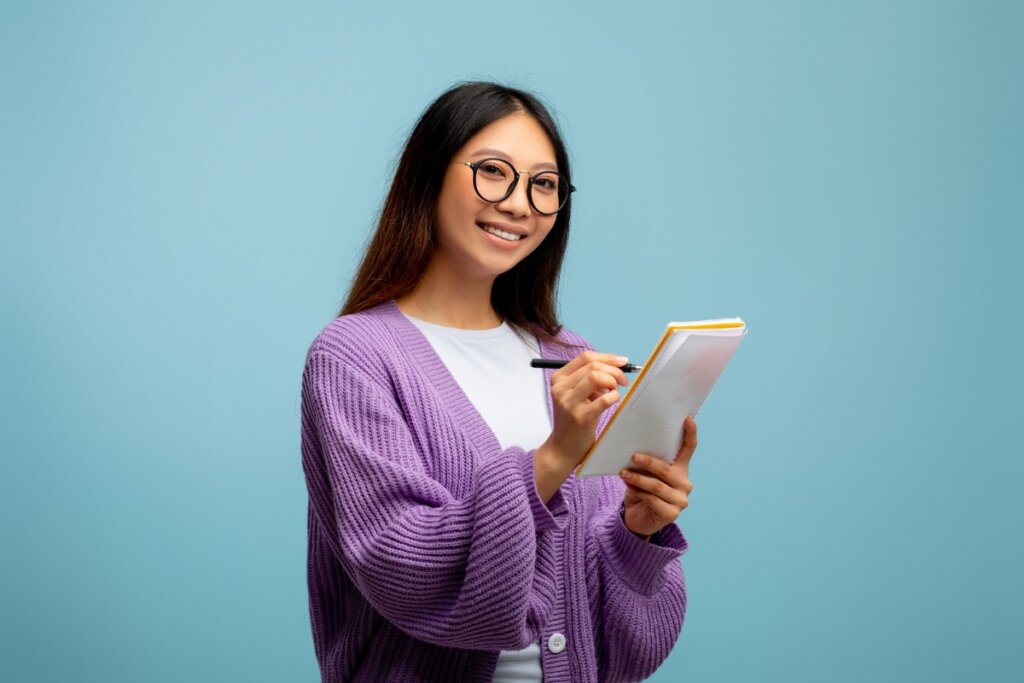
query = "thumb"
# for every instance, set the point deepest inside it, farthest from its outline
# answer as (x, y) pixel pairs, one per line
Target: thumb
(689, 444)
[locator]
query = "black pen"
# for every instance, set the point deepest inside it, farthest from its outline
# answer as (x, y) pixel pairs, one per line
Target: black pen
(549, 364)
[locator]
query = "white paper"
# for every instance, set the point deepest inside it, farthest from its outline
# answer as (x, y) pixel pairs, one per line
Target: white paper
(675, 385)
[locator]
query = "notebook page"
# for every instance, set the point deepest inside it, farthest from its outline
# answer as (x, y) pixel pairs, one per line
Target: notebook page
(676, 340)
(652, 420)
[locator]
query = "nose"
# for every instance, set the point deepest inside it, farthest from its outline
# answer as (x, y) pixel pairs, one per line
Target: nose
(517, 203)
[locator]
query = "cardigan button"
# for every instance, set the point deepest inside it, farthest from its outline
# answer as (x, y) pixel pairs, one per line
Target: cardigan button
(556, 643)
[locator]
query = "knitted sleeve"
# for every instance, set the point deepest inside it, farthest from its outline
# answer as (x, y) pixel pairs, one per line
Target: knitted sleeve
(637, 591)
(474, 572)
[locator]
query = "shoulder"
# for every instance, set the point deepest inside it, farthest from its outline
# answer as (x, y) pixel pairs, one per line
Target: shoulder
(573, 339)
(365, 339)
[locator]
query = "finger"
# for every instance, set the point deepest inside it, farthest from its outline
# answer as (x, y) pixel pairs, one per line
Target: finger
(584, 371)
(570, 383)
(583, 408)
(689, 444)
(669, 473)
(613, 370)
(592, 384)
(586, 357)
(583, 405)
(656, 487)
(592, 407)
(660, 509)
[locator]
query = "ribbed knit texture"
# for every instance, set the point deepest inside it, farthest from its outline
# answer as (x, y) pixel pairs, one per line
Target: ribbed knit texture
(429, 548)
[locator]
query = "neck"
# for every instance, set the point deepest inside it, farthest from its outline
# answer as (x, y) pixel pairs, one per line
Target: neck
(451, 301)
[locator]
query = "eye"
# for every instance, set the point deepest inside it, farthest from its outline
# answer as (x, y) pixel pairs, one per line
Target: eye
(492, 169)
(546, 182)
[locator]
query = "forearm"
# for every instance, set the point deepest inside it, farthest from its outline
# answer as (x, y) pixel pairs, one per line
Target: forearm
(551, 468)
(467, 572)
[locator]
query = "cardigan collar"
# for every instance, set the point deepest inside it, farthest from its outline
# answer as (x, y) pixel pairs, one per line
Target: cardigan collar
(465, 413)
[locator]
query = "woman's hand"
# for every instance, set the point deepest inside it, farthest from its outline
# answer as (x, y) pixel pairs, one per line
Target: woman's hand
(580, 392)
(655, 496)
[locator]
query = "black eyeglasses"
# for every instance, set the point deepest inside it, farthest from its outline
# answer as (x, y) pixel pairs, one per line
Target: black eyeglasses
(495, 180)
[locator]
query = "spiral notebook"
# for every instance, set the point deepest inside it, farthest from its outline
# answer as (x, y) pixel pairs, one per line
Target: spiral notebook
(675, 382)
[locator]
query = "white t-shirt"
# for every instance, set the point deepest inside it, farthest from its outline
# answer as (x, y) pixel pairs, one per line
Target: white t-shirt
(493, 369)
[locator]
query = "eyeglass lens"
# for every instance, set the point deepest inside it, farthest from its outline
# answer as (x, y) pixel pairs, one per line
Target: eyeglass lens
(547, 190)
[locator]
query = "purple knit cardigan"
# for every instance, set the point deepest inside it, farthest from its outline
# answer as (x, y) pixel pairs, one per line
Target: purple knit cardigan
(429, 548)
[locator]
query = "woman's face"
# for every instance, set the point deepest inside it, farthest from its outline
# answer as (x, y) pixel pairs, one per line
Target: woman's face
(467, 243)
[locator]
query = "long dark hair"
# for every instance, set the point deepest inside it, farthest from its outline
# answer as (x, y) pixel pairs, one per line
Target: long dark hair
(403, 243)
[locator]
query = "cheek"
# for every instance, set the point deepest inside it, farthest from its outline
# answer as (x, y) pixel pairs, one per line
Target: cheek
(452, 214)
(544, 228)
(456, 208)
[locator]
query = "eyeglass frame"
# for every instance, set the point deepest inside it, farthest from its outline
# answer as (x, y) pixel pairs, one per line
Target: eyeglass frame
(515, 182)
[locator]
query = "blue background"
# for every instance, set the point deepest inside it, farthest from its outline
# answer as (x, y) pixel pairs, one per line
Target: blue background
(185, 191)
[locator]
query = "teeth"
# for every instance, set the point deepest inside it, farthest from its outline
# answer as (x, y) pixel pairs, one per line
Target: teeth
(502, 234)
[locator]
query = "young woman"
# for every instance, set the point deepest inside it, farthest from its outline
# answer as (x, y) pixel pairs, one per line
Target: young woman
(449, 539)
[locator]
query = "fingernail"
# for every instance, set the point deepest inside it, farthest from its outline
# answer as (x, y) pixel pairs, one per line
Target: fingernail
(621, 360)
(638, 458)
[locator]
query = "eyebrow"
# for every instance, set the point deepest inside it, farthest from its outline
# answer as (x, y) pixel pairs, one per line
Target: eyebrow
(491, 152)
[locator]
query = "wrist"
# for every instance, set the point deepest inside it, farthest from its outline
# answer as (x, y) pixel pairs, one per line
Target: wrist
(643, 537)
(551, 468)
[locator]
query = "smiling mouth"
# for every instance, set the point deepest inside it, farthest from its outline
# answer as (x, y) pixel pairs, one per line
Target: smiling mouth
(507, 236)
